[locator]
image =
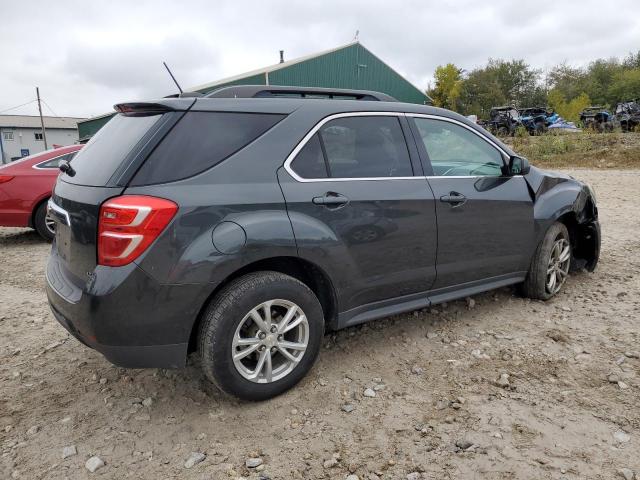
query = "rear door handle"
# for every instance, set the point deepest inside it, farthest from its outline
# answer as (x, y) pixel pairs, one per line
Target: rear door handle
(455, 199)
(331, 200)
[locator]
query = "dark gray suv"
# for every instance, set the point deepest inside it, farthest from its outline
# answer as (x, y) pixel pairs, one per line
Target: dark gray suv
(244, 224)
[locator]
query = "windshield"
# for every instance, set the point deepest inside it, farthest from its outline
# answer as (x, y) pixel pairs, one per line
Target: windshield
(96, 163)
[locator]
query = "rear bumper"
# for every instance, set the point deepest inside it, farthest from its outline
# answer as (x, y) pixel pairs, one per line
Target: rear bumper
(122, 313)
(139, 356)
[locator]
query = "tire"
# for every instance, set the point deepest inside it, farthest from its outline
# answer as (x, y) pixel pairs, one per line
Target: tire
(40, 223)
(536, 285)
(228, 317)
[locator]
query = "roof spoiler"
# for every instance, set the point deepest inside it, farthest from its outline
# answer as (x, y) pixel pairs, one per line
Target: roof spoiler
(141, 108)
(270, 91)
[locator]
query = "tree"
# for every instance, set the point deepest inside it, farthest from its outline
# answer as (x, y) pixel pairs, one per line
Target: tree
(567, 81)
(499, 83)
(569, 110)
(448, 82)
(625, 85)
(601, 74)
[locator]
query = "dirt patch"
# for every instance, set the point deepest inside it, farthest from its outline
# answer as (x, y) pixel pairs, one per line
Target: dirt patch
(499, 388)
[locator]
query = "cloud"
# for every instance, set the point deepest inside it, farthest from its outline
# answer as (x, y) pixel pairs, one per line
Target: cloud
(86, 56)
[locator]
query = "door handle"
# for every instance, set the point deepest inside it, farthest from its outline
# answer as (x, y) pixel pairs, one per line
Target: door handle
(455, 199)
(331, 200)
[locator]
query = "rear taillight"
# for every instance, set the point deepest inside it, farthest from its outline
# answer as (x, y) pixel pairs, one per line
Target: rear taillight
(129, 224)
(5, 178)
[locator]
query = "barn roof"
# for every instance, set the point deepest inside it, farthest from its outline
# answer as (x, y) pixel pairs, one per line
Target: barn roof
(33, 121)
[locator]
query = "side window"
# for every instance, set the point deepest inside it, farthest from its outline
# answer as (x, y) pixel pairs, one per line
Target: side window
(455, 151)
(362, 147)
(355, 147)
(54, 162)
(200, 141)
(310, 163)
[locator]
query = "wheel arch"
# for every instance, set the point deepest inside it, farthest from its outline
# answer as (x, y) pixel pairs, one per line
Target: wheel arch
(576, 210)
(35, 207)
(307, 272)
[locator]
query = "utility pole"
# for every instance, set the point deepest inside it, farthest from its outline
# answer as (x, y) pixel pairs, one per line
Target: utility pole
(44, 133)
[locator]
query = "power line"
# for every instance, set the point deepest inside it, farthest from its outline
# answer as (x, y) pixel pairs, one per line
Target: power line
(18, 106)
(51, 109)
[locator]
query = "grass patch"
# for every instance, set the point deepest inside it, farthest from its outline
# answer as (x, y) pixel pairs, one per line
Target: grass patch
(587, 150)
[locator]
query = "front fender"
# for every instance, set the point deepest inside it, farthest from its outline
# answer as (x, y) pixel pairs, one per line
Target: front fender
(559, 197)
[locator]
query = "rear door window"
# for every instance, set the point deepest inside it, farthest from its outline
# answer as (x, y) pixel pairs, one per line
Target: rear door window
(96, 163)
(200, 141)
(356, 147)
(366, 147)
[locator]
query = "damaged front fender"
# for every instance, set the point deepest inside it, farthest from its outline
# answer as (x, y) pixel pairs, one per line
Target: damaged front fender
(561, 198)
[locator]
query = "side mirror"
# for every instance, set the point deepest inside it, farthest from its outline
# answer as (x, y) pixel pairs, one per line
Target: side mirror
(519, 165)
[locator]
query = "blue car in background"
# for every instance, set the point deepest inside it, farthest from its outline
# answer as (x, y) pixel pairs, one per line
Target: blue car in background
(537, 119)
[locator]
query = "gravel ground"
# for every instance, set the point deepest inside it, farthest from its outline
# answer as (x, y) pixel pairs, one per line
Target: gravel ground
(494, 387)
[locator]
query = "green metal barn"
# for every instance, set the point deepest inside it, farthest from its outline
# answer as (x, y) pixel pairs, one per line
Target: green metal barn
(348, 66)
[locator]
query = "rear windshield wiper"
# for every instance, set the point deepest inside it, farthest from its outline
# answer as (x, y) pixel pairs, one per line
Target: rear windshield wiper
(66, 167)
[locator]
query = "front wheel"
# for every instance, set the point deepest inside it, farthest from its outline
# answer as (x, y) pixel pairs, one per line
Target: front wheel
(550, 264)
(261, 335)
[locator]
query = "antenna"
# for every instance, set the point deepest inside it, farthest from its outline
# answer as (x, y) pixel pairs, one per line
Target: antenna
(355, 38)
(172, 77)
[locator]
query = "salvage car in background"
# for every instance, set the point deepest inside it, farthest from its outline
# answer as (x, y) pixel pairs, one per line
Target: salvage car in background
(503, 121)
(627, 115)
(597, 118)
(537, 119)
(25, 187)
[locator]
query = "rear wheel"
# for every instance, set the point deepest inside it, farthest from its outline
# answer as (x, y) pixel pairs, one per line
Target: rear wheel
(550, 264)
(44, 224)
(260, 335)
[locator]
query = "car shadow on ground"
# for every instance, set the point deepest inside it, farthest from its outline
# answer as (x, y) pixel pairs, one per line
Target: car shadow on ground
(20, 236)
(356, 340)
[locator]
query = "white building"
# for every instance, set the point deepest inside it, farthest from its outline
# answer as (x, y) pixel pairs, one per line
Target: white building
(21, 135)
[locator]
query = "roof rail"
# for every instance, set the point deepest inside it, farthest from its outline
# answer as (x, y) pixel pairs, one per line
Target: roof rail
(184, 95)
(272, 91)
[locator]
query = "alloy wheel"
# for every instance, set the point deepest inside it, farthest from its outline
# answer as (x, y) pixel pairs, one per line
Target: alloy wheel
(270, 341)
(50, 224)
(558, 267)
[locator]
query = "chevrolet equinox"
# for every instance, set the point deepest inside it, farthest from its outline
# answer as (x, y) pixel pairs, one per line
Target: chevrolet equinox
(245, 223)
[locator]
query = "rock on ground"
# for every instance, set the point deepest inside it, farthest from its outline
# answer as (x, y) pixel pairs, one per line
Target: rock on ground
(253, 462)
(69, 451)
(93, 464)
(194, 459)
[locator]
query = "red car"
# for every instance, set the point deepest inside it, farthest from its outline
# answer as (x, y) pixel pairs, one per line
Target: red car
(25, 187)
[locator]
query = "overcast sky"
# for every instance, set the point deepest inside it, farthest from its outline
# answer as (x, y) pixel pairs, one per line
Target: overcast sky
(86, 56)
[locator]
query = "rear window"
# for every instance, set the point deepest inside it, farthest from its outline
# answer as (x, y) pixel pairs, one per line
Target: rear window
(55, 162)
(103, 154)
(199, 141)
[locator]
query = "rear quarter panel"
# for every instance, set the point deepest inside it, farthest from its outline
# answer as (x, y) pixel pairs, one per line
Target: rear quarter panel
(20, 196)
(242, 189)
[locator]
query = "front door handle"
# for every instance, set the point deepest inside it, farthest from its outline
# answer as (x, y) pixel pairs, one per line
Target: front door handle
(331, 200)
(455, 199)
